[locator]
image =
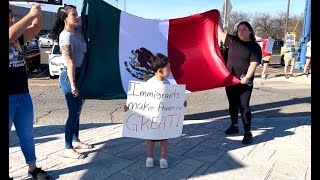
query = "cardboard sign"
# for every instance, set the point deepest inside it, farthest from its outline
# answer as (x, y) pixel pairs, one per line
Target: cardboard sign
(46, 2)
(269, 45)
(290, 39)
(156, 111)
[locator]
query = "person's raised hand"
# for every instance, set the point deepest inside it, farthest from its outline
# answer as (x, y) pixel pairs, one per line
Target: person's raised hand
(35, 10)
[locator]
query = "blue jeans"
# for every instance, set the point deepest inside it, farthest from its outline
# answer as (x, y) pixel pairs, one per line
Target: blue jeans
(21, 114)
(74, 109)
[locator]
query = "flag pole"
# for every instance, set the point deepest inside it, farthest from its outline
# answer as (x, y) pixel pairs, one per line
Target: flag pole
(305, 37)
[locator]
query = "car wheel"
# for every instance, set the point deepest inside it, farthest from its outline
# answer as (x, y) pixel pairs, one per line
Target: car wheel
(54, 77)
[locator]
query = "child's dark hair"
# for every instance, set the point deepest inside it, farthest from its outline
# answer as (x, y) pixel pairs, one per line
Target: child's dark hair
(158, 61)
(58, 27)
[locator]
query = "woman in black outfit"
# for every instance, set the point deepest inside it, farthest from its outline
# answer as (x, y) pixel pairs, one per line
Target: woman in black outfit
(244, 55)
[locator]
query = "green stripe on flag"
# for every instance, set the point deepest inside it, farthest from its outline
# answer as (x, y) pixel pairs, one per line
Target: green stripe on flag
(102, 57)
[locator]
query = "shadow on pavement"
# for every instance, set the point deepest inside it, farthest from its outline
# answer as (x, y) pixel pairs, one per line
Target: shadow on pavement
(255, 110)
(202, 149)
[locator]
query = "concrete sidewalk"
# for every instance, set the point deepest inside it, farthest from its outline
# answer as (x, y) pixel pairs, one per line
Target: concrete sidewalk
(280, 82)
(281, 150)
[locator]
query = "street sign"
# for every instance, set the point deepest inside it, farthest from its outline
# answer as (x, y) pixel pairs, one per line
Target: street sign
(229, 8)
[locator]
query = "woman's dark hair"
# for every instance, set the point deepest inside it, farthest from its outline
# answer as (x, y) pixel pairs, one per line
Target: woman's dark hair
(252, 37)
(159, 61)
(58, 26)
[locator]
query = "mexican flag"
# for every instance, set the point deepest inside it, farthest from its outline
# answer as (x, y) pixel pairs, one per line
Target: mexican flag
(120, 45)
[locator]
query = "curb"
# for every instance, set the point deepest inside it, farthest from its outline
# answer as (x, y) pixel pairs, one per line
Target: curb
(43, 82)
(280, 80)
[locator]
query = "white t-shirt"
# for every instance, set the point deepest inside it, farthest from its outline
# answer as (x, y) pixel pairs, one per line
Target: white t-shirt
(78, 46)
(308, 53)
(154, 80)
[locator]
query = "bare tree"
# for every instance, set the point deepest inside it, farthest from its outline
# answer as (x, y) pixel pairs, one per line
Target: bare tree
(233, 20)
(296, 24)
(266, 25)
(263, 25)
(279, 21)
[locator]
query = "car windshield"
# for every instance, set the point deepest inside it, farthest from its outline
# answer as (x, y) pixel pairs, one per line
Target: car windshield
(56, 49)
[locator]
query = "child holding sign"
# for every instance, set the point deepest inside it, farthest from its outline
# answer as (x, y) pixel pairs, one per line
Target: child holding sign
(161, 66)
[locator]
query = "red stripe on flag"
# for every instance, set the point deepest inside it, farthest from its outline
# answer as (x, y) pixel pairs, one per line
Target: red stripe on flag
(194, 52)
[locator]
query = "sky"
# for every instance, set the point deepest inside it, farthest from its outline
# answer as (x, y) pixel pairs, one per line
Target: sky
(169, 9)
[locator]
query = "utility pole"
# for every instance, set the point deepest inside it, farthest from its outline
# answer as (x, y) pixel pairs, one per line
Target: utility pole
(287, 16)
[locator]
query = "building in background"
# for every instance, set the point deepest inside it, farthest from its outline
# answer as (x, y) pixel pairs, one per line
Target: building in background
(48, 17)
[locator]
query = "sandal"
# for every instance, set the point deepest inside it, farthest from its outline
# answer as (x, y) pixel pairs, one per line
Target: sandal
(72, 154)
(83, 146)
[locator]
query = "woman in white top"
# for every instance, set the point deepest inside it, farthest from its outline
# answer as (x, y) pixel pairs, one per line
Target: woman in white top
(73, 48)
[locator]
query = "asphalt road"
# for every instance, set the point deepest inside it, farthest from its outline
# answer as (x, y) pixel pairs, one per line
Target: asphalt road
(275, 100)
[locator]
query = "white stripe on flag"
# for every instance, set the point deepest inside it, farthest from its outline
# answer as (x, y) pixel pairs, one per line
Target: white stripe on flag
(137, 32)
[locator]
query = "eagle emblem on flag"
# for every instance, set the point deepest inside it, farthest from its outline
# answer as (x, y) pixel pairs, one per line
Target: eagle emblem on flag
(138, 65)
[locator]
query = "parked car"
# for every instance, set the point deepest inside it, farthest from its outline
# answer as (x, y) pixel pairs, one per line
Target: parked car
(56, 63)
(44, 40)
(277, 48)
(278, 43)
(33, 56)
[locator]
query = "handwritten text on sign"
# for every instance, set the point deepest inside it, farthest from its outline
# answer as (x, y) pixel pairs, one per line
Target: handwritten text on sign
(156, 111)
(290, 39)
